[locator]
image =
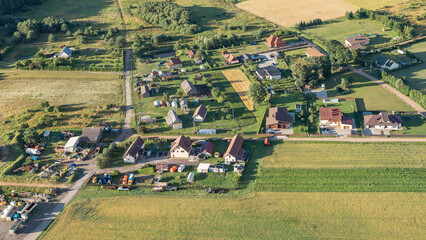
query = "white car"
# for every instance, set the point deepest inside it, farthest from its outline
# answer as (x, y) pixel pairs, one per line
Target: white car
(123, 189)
(148, 154)
(181, 168)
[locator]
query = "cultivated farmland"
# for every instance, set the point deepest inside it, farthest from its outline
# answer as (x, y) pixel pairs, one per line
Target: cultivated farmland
(259, 216)
(345, 155)
(241, 84)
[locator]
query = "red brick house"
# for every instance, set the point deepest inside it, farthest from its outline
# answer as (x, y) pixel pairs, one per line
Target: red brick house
(274, 41)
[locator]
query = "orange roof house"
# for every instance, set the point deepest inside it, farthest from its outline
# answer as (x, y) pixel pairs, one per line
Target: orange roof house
(274, 41)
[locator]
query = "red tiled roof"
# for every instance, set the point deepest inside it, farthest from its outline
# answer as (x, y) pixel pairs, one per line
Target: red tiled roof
(331, 114)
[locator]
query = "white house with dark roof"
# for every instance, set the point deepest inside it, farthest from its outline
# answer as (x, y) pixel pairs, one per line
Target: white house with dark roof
(134, 152)
(65, 53)
(270, 72)
(181, 148)
(383, 121)
(200, 114)
(235, 150)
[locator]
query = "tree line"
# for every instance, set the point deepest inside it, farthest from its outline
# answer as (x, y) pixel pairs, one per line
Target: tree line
(169, 16)
(11, 6)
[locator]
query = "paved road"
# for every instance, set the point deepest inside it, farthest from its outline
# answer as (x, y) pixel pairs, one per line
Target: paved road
(127, 131)
(404, 98)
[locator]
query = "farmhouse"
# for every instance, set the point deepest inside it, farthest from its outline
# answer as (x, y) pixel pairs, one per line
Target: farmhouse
(198, 61)
(181, 147)
(189, 88)
(91, 135)
(200, 114)
(270, 72)
(191, 53)
(275, 41)
(231, 59)
(333, 117)
(72, 144)
(134, 151)
(174, 63)
(65, 53)
(235, 151)
(313, 52)
(184, 105)
(383, 121)
(385, 63)
(144, 91)
(173, 120)
(278, 118)
(356, 42)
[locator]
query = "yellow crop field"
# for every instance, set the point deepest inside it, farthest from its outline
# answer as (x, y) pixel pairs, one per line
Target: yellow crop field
(289, 12)
(262, 215)
(241, 84)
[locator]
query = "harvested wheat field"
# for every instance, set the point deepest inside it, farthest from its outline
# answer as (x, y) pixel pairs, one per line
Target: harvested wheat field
(288, 12)
(241, 84)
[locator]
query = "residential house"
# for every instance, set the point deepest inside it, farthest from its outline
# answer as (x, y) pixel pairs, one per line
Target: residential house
(189, 88)
(181, 148)
(135, 151)
(279, 118)
(144, 91)
(184, 105)
(313, 52)
(383, 121)
(207, 149)
(246, 58)
(270, 72)
(91, 135)
(200, 114)
(333, 117)
(275, 41)
(356, 42)
(191, 53)
(174, 63)
(173, 120)
(65, 53)
(235, 151)
(231, 59)
(385, 63)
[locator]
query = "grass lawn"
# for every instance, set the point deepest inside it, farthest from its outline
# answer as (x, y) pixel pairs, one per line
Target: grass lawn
(342, 28)
(259, 216)
(289, 100)
(413, 124)
(372, 96)
(79, 94)
(416, 76)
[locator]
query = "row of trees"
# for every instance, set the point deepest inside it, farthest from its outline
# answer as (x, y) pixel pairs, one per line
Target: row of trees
(303, 24)
(30, 29)
(401, 86)
(11, 6)
(169, 16)
(401, 27)
(216, 41)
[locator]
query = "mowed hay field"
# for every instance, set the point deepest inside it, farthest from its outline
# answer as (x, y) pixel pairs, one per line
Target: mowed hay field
(22, 89)
(253, 216)
(288, 12)
(344, 155)
(241, 84)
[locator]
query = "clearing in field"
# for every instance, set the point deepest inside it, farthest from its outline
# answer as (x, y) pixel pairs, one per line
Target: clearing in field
(241, 84)
(288, 12)
(345, 155)
(259, 216)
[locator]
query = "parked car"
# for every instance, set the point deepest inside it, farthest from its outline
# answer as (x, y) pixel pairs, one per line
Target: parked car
(160, 154)
(123, 188)
(148, 154)
(181, 168)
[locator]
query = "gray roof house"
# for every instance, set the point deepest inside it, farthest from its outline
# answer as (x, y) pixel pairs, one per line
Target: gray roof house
(65, 53)
(173, 120)
(269, 72)
(385, 63)
(189, 88)
(184, 105)
(144, 91)
(134, 151)
(91, 135)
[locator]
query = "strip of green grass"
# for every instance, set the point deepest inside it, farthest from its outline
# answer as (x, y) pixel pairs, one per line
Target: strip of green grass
(342, 180)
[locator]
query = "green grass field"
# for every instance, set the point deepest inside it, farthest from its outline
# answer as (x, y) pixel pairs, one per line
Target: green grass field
(259, 216)
(416, 76)
(344, 155)
(344, 28)
(374, 97)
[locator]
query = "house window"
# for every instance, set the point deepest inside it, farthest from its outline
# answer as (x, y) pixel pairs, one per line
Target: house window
(182, 151)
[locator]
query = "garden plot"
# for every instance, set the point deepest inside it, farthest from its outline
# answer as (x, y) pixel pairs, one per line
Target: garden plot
(241, 84)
